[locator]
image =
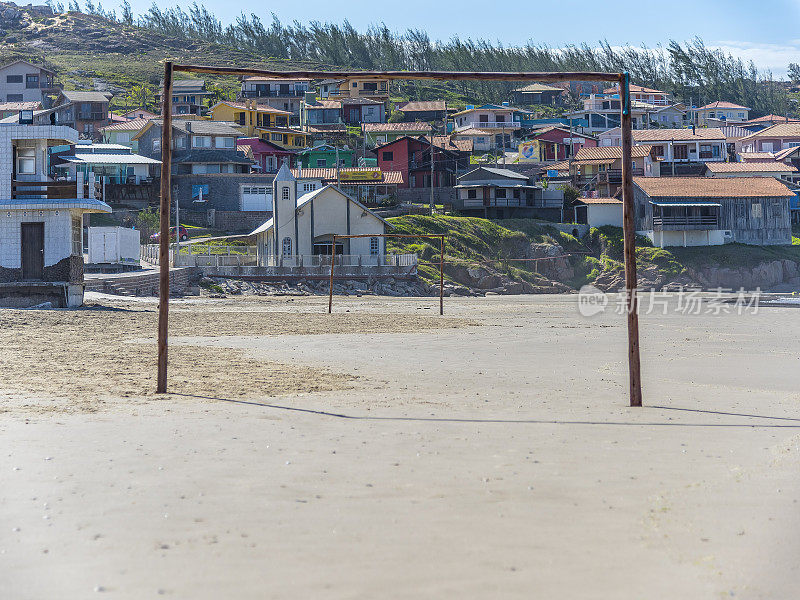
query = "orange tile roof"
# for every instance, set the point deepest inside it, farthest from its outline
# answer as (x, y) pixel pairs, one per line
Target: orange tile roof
(422, 106)
(448, 143)
(780, 130)
(600, 201)
(774, 119)
(32, 105)
(712, 187)
(609, 153)
(396, 127)
(127, 125)
(751, 167)
(722, 104)
(679, 135)
(636, 89)
(329, 174)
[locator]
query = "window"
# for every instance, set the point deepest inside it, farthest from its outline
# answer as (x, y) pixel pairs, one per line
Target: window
(276, 137)
(123, 137)
(201, 141)
(373, 246)
(321, 162)
(88, 127)
(14, 98)
(285, 193)
(13, 78)
(26, 161)
(309, 187)
(480, 140)
(472, 194)
(31, 81)
(756, 211)
(500, 193)
(681, 153)
(157, 145)
(180, 142)
(388, 156)
(658, 150)
(287, 246)
(224, 142)
(77, 236)
(297, 141)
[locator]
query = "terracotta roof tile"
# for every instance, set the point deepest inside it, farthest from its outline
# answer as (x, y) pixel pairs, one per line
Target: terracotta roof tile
(679, 135)
(609, 153)
(722, 104)
(780, 130)
(127, 125)
(712, 187)
(423, 106)
(751, 167)
(396, 127)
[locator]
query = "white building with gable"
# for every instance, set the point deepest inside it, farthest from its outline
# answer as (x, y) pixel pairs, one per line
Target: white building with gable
(302, 227)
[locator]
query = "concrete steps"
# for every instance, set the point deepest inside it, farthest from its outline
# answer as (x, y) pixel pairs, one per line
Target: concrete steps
(141, 284)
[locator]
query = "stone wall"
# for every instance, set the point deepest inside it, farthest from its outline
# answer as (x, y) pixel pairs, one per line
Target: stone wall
(68, 269)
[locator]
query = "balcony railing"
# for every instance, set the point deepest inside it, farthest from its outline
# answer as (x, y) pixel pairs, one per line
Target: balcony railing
(359, 93)
(44, 189)
(694, 221)
(273, 94)
(489, 125)
(615, 175)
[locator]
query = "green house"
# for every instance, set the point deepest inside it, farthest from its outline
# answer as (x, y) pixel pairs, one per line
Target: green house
(324, 156)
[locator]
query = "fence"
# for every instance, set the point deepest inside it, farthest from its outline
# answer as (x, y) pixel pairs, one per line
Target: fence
(348, 260)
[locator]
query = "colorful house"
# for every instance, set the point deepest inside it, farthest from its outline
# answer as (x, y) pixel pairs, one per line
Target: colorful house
(412, 157)
(553, 144)
(719, 112)
(355, 87)
(377, 134)
(283, 94)
(266, 155)
(538, 93)
(324, 156)
(123, 133)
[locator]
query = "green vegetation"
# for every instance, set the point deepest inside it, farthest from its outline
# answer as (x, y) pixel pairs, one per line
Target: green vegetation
(472, 241)
(126, 51)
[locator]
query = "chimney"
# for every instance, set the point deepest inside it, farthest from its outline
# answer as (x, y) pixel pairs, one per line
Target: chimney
(693, 130)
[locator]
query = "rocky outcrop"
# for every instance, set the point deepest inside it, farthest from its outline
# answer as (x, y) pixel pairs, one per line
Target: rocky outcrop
(780, 274)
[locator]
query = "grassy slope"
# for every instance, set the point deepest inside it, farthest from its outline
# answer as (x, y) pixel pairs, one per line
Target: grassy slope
(470, 239)
(81, 47)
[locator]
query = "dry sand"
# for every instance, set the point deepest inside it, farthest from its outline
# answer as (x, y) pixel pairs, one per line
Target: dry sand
(388, 453)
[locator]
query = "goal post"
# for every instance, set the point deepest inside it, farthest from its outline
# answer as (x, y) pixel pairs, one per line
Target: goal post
(439, 237)
(629, 230)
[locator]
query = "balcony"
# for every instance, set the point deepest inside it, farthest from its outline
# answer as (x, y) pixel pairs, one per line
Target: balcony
(672, 222)
(489, 125)
(95, 116)
(273, 94)
(382, 93)
(45, 189)
(615, 175)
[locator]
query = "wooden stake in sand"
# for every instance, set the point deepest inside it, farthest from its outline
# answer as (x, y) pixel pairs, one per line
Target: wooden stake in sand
(622, 79)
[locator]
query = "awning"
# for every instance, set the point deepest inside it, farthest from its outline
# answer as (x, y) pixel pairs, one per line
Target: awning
(685, 203)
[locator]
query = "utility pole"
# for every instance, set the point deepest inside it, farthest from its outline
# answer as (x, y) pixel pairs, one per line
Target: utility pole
(432, 175)
(337, 165)
(177, 231)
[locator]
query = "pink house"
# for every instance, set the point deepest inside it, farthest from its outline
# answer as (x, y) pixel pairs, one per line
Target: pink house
(267, 155)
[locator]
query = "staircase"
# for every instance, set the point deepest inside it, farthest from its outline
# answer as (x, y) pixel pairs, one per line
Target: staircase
(141, 284)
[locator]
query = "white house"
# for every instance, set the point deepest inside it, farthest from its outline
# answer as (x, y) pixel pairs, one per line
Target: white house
(302, 227)
(41, 221)
(597, 212)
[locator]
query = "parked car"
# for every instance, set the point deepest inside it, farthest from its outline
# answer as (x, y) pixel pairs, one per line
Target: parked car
(184, 235)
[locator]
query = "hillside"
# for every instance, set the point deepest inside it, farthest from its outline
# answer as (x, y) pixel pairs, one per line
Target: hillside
(92, 52)
(480, 257)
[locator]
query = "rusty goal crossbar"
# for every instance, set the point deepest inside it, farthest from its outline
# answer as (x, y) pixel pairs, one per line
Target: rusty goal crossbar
(622, 79)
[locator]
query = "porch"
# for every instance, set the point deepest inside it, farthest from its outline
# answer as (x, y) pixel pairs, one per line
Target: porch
(685, 216)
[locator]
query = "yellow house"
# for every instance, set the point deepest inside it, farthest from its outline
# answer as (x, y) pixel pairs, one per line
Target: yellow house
(355, 87)
(263, 121)
(249, 115)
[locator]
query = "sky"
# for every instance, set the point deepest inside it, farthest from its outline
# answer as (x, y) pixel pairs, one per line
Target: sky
(766, 32)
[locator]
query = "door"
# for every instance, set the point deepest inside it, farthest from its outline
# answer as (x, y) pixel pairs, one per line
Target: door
(32, 250)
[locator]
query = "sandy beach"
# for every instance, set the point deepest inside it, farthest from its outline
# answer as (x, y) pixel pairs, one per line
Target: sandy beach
(386, 452)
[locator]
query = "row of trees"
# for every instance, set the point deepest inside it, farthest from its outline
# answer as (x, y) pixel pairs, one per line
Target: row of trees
(691, 71)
